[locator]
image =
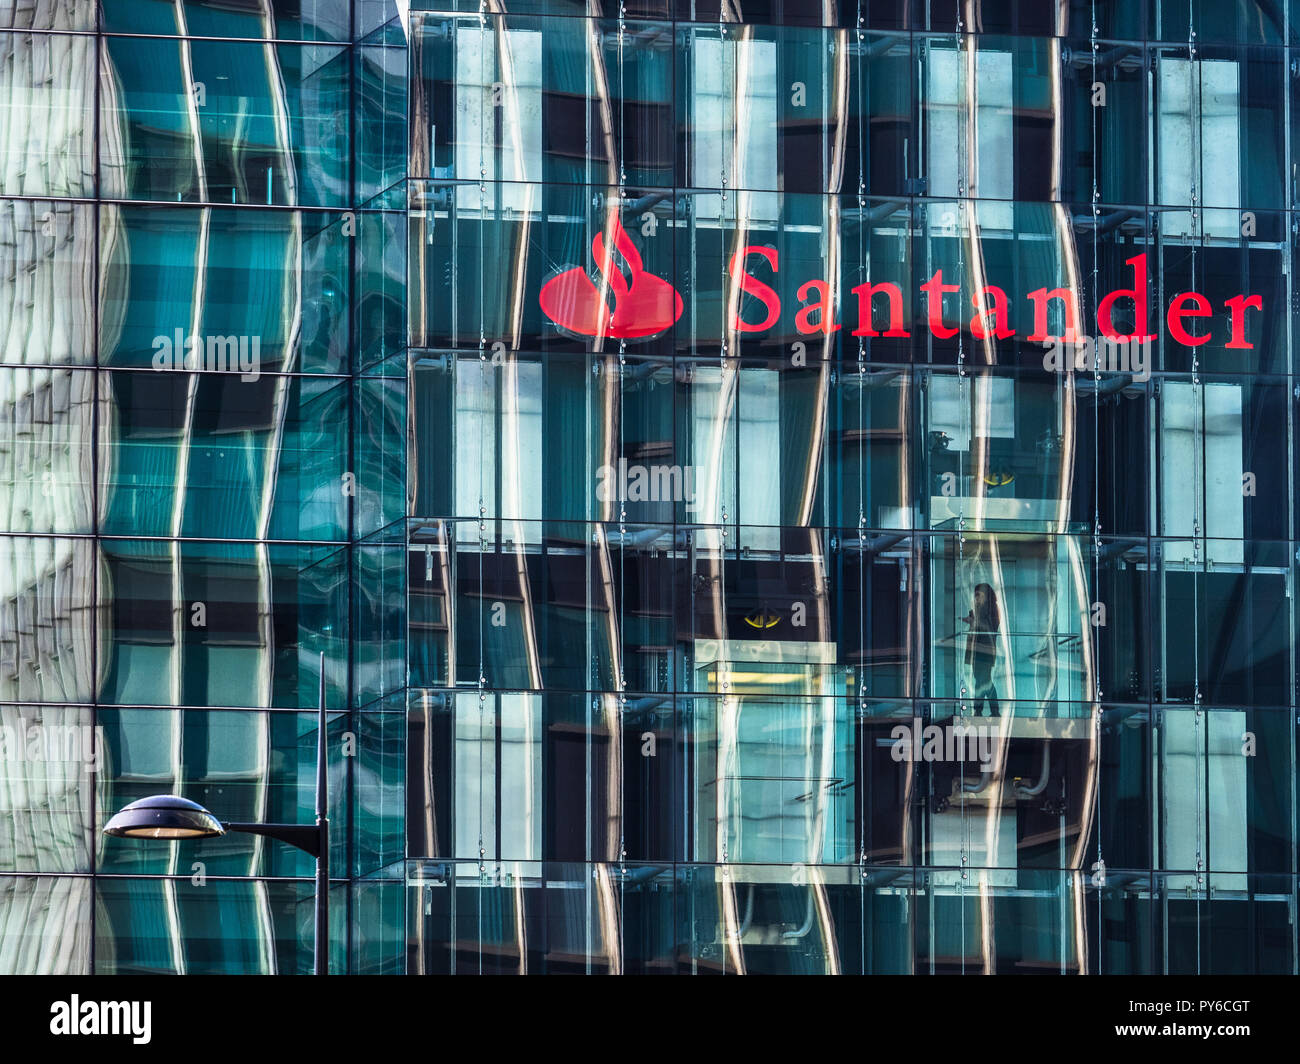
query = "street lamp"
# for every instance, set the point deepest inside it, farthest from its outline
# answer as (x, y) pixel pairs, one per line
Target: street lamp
(167, 816)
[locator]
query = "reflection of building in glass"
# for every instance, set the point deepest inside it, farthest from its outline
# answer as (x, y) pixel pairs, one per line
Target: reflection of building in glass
(649, 729)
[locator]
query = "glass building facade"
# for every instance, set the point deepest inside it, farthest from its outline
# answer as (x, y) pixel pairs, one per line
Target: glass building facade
(780, 486)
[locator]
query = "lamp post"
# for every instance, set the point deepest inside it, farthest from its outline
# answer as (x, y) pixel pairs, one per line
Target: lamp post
(167, 816)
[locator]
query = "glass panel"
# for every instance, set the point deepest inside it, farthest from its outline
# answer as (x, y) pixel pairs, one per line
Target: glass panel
(533, 918)
(800, 920)
(378, 928)
(224, 122)
(1224, 925)
(48, 605)
(224, 290)
(979, 923)
(379, 592)
(378, 485)
(47, 119)
(46, 427)
(221, 624)
(45, 925)
(47, 283)
(379, 118)
(771, 777)
(243, 767)
(380, 303)
(556, 99)
(380, 809)
(230, 455)
(579, 761)
(48, 758)
(1012, 614)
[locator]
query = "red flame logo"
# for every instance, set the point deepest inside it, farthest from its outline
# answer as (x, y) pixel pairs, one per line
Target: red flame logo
(644, 305)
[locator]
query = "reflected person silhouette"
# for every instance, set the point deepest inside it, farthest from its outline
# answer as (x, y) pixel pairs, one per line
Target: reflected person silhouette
(984, 620)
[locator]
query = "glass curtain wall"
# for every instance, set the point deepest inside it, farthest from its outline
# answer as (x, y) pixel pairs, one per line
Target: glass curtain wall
(775, 609)
(718, 450)
(178, 389)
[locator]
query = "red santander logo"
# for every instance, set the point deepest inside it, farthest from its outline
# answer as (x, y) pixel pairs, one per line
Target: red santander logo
(643, 305)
